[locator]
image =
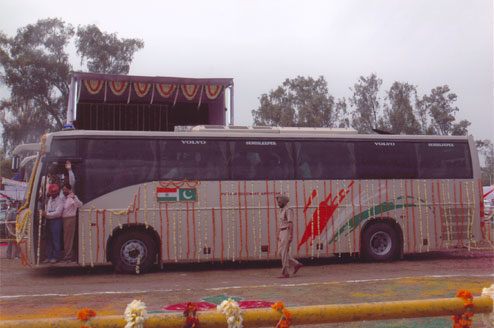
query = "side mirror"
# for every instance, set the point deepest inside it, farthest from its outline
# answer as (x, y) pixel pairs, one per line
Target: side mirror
(16, 163)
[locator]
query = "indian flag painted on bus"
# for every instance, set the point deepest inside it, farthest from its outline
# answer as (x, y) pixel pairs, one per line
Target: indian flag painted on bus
(176, 194)
(167, 194)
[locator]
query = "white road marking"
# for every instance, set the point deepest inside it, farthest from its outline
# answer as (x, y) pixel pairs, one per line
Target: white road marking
(238, 287)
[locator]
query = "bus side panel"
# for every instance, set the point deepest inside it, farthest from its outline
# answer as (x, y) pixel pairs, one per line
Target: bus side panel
(237, 220)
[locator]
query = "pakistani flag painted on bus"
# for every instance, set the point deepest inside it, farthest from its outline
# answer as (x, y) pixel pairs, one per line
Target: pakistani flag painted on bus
(176, 194)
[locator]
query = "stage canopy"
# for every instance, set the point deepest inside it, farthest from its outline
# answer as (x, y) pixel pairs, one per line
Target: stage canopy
(124, 102)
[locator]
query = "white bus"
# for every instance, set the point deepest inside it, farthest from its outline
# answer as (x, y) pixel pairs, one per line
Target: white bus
(208, 194)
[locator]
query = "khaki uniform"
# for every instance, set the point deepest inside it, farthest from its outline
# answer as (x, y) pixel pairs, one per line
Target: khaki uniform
(285, 216)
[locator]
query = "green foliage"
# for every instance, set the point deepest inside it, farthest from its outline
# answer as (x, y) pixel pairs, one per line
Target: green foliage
(5, 168)
(399, 116)
(302, 102)
(440, 106)
(35, 68)
(104, 52)
(486, 150)
(365, 102)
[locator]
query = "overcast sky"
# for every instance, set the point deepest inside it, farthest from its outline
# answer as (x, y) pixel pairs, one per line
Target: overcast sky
(260, 43)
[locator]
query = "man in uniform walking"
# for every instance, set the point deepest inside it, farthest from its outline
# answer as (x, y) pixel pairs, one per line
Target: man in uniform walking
(285, 237)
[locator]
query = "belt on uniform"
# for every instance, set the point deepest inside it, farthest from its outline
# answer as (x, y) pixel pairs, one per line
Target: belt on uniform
(283, 229)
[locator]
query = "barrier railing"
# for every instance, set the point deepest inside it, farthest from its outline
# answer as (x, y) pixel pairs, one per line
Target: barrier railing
(318, 314)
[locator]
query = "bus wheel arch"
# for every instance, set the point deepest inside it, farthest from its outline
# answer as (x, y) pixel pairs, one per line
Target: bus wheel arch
(133, 249)
(381, 240)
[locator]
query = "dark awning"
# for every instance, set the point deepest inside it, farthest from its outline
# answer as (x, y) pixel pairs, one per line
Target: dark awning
(95, 87)
(112, 101)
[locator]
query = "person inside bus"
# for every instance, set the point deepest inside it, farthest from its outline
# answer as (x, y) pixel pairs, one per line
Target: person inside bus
(54, 177)
(10, 220)
(69, 213)
(53, 215)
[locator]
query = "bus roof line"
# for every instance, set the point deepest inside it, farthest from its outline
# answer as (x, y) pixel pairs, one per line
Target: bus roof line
(30, 147)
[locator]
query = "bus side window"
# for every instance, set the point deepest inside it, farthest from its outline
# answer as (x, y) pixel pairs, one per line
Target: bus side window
(181, 159)
(117, 163)
(444, 160)
(386, 160)
(325, 160)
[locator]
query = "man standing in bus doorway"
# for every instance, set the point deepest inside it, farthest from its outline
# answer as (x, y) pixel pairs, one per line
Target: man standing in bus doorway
(285, 237)
(53, 214)
(71, 204)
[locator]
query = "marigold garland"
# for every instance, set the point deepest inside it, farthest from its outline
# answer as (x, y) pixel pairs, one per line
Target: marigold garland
(286, 316)
(85, 316)
(191, 319)
(464, 320)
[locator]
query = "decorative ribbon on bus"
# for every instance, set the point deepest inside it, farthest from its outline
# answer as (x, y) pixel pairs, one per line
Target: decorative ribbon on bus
(176, 194)
(189, 91)
(142, 89)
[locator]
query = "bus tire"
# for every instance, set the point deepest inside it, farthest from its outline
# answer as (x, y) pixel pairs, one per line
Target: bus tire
(380, 242)
(133, 252)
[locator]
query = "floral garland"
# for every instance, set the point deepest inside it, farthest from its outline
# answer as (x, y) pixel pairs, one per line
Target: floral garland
(85, 316)
(286, 316)
(135, 314)
(231, 310)
(191, 319)
(488, 318)
(464, 320)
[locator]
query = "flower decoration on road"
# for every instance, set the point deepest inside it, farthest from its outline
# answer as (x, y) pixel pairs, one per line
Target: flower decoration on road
(488, 318)
(464, 320)
(231, 310)
(85, 316)
(135, 314)
(286, 316)
(190, 314)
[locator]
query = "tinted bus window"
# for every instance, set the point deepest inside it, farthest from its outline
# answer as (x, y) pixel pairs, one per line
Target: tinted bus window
(325, 160)
(193, 160)
(261, 160)
(63, 148)
(450, 160)
(116, 163)
(386, 160)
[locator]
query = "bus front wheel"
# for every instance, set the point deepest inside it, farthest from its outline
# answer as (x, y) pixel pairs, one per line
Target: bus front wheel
(133, 252)
(380, 242)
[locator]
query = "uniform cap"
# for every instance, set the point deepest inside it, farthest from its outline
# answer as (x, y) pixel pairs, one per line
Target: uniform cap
(283, 198)
(53, 189)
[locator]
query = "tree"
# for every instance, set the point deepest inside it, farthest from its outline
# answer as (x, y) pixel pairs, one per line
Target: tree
(5, 166)
(486, 149)
(399, 116)
(35, 67)
(303, 102)
(365, 102)
(104, 52)
(440, 106)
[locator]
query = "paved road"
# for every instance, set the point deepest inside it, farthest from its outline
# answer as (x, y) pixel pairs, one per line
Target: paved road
(59, 291)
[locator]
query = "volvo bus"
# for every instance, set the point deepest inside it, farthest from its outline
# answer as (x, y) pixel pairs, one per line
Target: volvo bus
(208, 193)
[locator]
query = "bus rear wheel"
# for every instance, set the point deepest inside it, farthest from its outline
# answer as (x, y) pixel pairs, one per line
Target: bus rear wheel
(133, 252)
(380, 242)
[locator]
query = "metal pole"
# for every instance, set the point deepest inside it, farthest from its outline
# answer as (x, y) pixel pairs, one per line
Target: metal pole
(70, 105)
(231, 106)
(304, 315)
